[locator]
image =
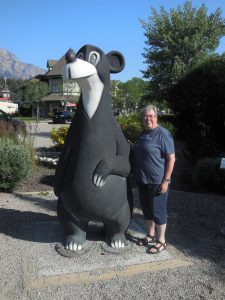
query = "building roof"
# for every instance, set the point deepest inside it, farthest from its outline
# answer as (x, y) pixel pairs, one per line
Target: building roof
(51, 63)
(5, 90)
(57, 70)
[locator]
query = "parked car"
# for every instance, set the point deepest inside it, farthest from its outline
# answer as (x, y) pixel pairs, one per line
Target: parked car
(12, 126)
(62, 117)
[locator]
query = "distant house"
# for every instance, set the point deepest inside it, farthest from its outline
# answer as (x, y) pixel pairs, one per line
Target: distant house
(63, 94)
(5, 102)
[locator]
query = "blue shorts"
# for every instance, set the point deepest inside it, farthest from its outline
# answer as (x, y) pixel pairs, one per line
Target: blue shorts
(153, 203)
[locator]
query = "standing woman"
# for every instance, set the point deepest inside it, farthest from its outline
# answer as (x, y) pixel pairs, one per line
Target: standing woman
(153, 158)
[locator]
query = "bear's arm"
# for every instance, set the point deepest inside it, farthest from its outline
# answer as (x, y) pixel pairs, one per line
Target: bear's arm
(122, 163)
(114, 165)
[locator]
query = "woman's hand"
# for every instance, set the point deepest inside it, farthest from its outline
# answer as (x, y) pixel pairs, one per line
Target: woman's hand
(164, 187)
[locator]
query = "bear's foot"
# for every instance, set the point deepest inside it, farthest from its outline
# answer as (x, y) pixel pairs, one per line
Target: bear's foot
(72, 246)
(117, 244)
(70, 253)
(118, 241)
(74, 243)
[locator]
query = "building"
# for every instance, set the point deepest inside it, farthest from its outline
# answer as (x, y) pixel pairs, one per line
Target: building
(63, 94)
(5, 102)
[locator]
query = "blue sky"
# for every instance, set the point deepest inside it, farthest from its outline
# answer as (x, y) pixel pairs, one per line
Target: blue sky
(36, 31)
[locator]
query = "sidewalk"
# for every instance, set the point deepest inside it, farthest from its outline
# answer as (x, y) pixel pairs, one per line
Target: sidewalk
(32, 269)
(40, 132)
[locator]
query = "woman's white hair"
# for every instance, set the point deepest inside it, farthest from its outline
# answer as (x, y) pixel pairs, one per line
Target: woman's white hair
(149, 107)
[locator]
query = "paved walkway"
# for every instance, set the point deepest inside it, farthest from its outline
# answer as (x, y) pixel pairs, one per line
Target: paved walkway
(40, 132)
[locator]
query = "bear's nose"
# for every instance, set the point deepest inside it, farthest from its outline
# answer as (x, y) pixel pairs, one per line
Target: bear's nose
(70, 56)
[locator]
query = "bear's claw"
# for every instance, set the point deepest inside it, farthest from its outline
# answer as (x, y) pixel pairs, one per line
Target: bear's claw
(72, 246)
(117, 244)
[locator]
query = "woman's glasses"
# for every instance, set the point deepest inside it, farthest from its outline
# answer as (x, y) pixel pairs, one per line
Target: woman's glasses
(149, 116)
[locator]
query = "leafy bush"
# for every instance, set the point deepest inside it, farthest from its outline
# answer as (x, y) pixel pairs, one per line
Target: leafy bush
(170, 127)
(132, 126)
(15, 162)
(58, 135)
(208, 175)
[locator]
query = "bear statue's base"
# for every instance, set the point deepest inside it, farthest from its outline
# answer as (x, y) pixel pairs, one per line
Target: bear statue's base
(104, 247)
(68, 253)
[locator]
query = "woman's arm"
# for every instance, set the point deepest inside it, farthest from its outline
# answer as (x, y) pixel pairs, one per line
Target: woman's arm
(170, 160)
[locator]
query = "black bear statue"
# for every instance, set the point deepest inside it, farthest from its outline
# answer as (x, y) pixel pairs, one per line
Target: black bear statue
(91, 175)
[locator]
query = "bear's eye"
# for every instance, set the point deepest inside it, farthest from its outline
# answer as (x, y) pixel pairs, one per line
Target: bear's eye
(80, 55)
(94, 58)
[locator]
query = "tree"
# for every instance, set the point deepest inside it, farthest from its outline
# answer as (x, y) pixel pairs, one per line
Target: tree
(34, 91)
(128, 95)
(136, 89)
(176, 41)
(117, 99)
(70, 90)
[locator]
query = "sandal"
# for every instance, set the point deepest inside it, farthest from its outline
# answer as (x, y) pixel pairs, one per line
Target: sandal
(158, 249)
(146, 240)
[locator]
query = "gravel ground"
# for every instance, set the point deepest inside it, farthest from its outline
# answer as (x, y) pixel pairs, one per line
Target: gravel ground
(40, 178)
(195, 228)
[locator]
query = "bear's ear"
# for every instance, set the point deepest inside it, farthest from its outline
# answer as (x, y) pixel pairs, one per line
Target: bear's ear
(116, 61)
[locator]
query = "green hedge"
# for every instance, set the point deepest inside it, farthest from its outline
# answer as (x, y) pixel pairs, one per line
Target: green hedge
(198, 100)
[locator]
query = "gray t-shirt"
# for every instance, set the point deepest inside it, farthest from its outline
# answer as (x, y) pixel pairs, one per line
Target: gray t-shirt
(149, 155)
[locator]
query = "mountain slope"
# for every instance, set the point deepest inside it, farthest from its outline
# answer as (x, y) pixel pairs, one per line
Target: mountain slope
(12, 67)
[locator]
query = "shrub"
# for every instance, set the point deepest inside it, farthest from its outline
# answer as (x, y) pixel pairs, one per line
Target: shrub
(208, 175)
(7, 130)
(15, 162)
(58, 135)
(131, 125)
(170, 127)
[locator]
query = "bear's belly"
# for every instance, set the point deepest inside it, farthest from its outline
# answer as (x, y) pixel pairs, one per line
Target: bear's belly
(84, 200)
(80, 196)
